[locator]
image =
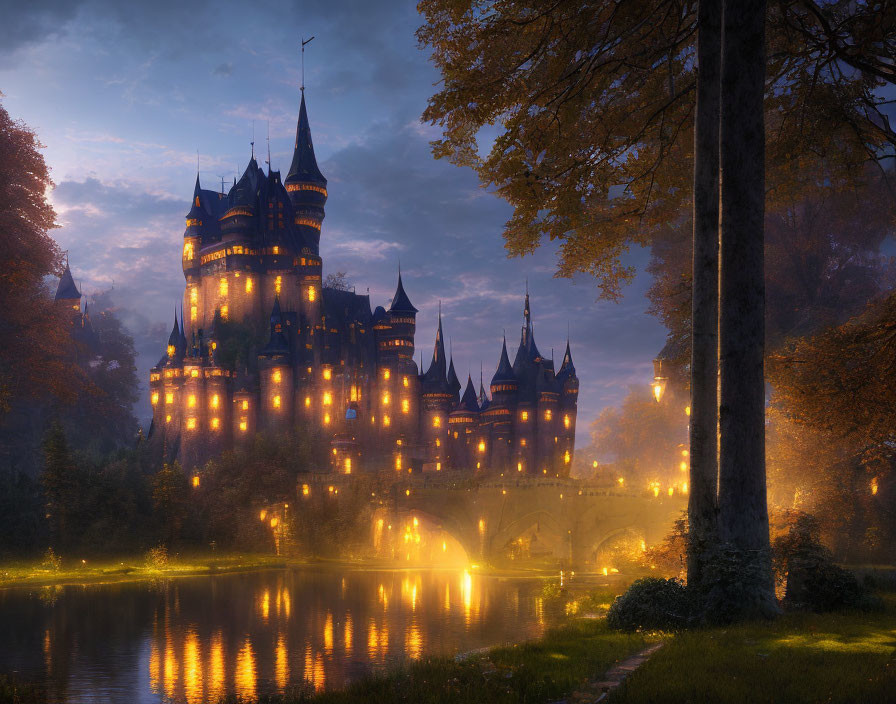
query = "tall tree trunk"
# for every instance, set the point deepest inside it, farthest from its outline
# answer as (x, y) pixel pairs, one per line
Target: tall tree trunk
(743, 507)
(702, 502)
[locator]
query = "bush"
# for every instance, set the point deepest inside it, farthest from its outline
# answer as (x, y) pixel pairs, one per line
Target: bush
(652, 603)
(813, 582)
(157, 558)
(51, 561)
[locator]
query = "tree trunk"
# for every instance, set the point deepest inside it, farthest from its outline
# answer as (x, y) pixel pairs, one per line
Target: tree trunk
(702, 502)
(743, 508)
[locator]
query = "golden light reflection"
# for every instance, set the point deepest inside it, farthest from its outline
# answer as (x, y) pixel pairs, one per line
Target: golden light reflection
(244, 675)
(466, 592)
(154, 666)
(265, 605)
(193, 683)
(170, 672)
(413, 641)
(281, 665)
(328, 633)
(216, 673)
(286, 603)
(347, 633)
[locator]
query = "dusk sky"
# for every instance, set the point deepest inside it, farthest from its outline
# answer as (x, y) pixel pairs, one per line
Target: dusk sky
(124, 94)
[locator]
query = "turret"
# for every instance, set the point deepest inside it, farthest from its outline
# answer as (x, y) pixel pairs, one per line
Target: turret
(67, 294)
(399, 343)
(436, 401)
(275, 372)
(462, 426)
(453, 382)
(306, 186)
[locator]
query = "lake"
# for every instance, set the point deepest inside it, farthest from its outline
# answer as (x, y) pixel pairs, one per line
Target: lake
(195, 639)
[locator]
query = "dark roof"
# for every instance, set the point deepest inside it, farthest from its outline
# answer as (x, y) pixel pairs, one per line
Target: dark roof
(505, 371)
(346, 306)
(435, 378)
(197, 210)
(277, 344)
(245, 192)
(453, 381)
(67, 289)
(469, 402)
(304, 167)
(567, 368)
(400, 301)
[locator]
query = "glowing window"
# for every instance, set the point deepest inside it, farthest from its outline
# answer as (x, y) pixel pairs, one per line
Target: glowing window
(326, 418)
(276, 250)
(216, 423)
(191, 401)
(245, 405)
(305, 490)
(398, 462)
(482, 445)
(276, 402)
(215, 401)
(194, 314)
(244, 425)
(224, 312)
(386, 374)
(348, 465)
(248, 285)
(168, 419)
(194, 295)
(328, 398)
(188, 250)
(523, 442)
(386, 399)
(548, 414)
(455, 435)
(195, 481)
(169, 398)
(222, 287)
(386, 421)
(171, 350)
(155, 398)
(566, 421)
(307, 402)
(524, 416)
(436, 422)
(519, 466)
(278, 284)
(438, 443)
(191, 423)
(312, 294)
(405, 381)
(194, 373)
(276, 376)
(353, 395)
(328, 374)
(438, 466)
(405, 406)
(566, 457)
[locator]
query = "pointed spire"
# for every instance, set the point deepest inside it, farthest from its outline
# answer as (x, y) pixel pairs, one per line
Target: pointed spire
(400, 301)
(304, 167)
(67, 290)
(505, 371)
(453, 381)
(567, 368)
(436, 374)
(469, 402)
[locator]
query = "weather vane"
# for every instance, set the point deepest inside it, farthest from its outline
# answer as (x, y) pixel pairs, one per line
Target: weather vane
(304, 42)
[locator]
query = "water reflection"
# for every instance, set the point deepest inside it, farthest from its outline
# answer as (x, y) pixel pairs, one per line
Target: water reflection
(194, 640)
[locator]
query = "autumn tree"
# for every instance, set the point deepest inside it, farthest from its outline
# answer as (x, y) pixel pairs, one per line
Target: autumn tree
(338, 281)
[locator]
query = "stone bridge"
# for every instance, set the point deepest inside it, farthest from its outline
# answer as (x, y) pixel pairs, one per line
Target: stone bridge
(571, 521)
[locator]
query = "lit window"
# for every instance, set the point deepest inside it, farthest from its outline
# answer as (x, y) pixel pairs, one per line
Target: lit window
(566, 457)
(398, 462)
(191, 423)
(278, 284)
(548, 414)
(305, 490)
(194, 373)
(328, 374)
(169, 398)
(519, 466)
(248, 285)
(524, 416)
(436, 422)
(386, 399)
(328, 398)
(215, 401)
(224, 312)
(386, 374)
(245, 405)
(565, 421)
(191, 401)
(155, 398)
(405, 406)
(194, 295)
(168, 418)
(276, 402)
(405, 381)
(523, 442)
(222, 287)
(386, 421)
(276, 250)
(244, 425)
(195, 481)
(216, 423)
(482, 445)
(348, 465)
(276, 376)
(312, 294)
(354, 393)
(455, 435)
(188, 250)
(307, 402)
(438, 443)
(326, 418)
(171, 350)
(194, 314)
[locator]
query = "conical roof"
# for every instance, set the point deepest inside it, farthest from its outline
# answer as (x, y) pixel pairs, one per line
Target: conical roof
(304, 167)
(196, 209)
(504, 372)
(400, 301)
(468, 401)
(67, 289)
(453, 381)
(567, 368)
(436, 374)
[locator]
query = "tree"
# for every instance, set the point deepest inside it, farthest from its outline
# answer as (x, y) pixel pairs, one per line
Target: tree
(338, 281)
(59, 480)
(170, 501)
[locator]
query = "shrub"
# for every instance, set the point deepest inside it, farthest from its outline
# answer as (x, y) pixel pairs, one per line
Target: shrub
(813, 582)
(51, 561)
(157, 558)
(652, 603)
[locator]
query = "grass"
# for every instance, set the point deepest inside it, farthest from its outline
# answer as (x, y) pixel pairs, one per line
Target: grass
(35, 573)
(800, 658)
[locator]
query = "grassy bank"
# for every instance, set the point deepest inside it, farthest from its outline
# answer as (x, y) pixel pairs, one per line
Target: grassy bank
(37, 573)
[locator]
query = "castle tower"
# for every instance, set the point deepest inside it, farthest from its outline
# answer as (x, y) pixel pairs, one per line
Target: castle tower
(275, 376)
(67, 294)
(396, 352)
(569, 396)
(306, 185)
(499, 415)
(436, 402)
(463, 438)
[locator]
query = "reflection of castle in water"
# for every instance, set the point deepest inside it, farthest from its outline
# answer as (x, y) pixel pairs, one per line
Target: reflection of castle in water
(195, 640)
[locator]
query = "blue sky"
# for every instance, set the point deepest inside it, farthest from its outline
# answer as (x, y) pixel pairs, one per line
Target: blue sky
(124, 94)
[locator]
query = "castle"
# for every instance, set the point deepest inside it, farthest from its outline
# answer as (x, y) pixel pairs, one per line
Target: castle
(325, 361)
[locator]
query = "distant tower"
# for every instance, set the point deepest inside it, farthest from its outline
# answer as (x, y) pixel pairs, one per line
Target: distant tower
(306, 185)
